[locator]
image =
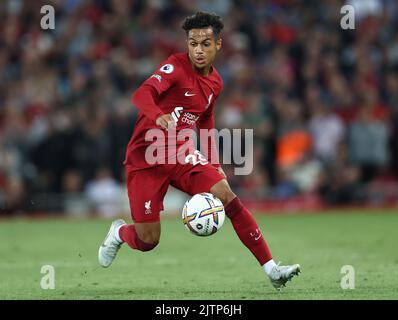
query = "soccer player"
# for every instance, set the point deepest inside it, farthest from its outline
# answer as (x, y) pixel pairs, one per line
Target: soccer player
(179, 95)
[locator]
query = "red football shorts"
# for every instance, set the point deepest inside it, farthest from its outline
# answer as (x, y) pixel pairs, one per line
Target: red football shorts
(147, 187)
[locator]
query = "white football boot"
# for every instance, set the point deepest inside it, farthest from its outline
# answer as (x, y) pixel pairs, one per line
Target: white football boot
(279, 275)
(111, 245)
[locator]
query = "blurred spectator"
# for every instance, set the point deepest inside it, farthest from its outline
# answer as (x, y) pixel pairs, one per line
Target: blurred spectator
(293, 139)
(368, 142)
(306, 174)
(327, 131)
(340, 183)
(285, 188)
(103, 193)
(74, 202)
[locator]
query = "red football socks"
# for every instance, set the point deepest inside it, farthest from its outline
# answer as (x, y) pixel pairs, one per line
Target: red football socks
(247, 230)
(128, 234)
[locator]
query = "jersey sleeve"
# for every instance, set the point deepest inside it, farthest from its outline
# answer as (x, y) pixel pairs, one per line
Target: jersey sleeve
(166, 75)
(145, 97)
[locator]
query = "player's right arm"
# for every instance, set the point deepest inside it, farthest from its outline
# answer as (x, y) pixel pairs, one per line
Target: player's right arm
(144, 99)
(166, 121)
(146, 96)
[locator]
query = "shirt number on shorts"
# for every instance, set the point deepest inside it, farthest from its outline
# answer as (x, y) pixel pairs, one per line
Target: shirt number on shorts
(196, 158)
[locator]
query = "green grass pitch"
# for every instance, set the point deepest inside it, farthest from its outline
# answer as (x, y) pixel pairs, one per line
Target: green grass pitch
(219, 267)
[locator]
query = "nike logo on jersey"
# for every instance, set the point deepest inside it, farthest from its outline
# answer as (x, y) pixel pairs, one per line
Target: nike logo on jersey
(187, 94)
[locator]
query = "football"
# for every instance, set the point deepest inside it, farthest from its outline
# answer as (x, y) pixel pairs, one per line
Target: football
(203, 214)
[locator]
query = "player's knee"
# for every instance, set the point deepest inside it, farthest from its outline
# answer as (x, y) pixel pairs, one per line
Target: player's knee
(150, 237)
(148, 242)
(227, 197)
(223, 192)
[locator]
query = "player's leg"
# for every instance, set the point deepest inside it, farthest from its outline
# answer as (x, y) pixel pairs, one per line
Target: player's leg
(206, 178)
(242, 221)
(146, 190)
(142, 236)
(250, 235)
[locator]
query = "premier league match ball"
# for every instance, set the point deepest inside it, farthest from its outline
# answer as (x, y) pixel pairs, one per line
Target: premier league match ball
(203, 214)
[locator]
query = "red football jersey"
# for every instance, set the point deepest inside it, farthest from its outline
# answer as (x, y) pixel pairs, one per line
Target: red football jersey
(177, 90)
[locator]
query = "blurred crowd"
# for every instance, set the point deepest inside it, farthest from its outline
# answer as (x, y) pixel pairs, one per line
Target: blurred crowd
(323, 101)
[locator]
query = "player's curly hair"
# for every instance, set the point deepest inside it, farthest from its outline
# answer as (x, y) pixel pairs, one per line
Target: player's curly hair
(203, 19)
